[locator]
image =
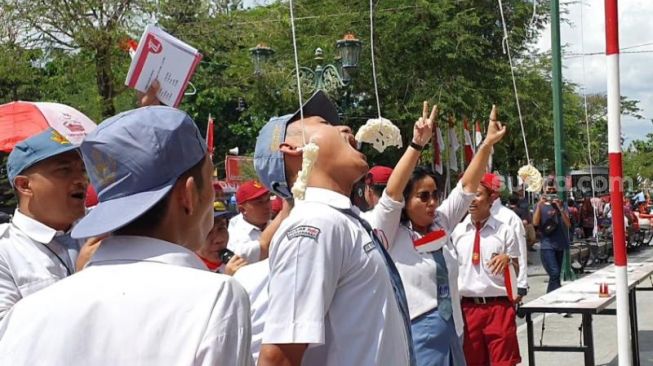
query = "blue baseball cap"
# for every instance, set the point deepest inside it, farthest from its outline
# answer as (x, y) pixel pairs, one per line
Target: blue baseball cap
(37, 148)
(133, 160)
(268, 160)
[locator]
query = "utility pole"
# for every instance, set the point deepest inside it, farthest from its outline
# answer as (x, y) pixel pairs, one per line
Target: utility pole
(558, 131)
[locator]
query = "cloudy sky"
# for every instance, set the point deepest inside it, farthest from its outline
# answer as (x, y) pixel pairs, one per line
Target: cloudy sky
(635, 35)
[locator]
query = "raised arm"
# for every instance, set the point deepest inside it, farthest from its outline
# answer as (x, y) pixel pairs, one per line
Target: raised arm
(478, 165)
(402, 171)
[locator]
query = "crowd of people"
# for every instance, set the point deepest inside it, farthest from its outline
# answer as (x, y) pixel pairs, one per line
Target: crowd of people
(159, 272)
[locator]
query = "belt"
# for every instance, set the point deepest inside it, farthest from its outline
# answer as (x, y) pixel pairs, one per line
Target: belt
(485, 300)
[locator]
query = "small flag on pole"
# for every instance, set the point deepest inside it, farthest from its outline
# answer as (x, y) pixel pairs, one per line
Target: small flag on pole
(469, 145)
(454, 145)
(209, 135)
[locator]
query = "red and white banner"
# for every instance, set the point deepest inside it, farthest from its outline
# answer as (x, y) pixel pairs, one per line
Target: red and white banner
(510, 280)
(454, 145)
(477, 135)
(237, 167)
(469, 145)
(431, 241)
(209, 135)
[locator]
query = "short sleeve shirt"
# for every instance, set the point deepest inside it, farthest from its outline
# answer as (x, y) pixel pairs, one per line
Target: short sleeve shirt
(496, 238)
(330, 288)
(244, 239)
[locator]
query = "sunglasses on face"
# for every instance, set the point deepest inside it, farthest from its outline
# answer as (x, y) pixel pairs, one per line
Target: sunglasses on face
(426, 196)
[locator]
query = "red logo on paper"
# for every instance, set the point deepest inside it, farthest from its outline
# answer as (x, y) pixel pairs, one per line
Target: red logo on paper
(154, 45)
(74, 126)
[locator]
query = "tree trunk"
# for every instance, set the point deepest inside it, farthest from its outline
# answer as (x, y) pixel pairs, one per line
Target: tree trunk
(104, 76)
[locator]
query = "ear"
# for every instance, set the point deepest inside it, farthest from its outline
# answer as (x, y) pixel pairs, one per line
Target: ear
(187, 192)
(290, 150)
(22, 185)
(240, 208)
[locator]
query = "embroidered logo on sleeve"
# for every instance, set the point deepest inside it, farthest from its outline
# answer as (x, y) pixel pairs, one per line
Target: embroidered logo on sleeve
(305, 231)
(369, 247)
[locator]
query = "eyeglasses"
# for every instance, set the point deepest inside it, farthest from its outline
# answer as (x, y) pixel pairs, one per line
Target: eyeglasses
(426, 196)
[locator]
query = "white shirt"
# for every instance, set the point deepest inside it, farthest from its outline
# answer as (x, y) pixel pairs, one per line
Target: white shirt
(418, 270)
(28, 262)
(330, 288)
(514, 223)
(496, 238)
(140, 301)
(254, 278)
(244, 239)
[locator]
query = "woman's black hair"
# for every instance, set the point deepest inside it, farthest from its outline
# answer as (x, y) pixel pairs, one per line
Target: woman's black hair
(418, 174)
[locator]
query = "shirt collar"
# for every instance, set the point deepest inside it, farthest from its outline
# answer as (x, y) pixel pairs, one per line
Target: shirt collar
(246, 226)
(328, 197)
(144, 249)
(491, 222)
(36, 230)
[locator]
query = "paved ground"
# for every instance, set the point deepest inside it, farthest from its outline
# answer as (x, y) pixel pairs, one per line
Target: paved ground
(565, 331)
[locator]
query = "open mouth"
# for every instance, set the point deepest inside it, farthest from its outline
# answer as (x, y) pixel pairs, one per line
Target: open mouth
(78, 195)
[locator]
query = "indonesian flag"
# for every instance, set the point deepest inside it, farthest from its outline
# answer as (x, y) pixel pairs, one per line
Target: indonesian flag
(438, 146)
(469, 145)
(431, 241)
(209, 135)
(478, 136)
(454, 145)
(510, 278)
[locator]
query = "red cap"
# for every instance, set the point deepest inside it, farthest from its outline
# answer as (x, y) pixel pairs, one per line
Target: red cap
(378, 175)
(491, 182)
(276, 204)
(91, 196)
(249, 190)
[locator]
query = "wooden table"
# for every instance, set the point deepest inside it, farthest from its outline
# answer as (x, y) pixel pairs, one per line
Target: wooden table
(582, 297)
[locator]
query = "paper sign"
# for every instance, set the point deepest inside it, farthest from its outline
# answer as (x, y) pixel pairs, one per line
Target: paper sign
(162, 57)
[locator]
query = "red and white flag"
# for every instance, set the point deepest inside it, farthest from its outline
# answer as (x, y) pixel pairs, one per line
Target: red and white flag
(469, 145)
(510, 280)
(209, 135)
(477, 135)
(438, 147)
(431, 241)
(454, 145)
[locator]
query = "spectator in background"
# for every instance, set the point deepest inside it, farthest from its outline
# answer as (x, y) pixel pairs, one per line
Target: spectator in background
(49, 179)
(216, 242)
(148, 297)
(375, 182)
(587, 217)
(251, 231)
(552, 221)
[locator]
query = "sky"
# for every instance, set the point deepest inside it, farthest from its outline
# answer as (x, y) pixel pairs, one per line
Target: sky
(636, 69)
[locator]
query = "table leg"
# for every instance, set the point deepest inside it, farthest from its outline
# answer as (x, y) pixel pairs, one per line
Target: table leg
(634, 329)
(531, 343)
(588, 339)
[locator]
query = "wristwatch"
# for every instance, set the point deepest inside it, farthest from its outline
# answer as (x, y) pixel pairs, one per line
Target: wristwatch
(416, 146)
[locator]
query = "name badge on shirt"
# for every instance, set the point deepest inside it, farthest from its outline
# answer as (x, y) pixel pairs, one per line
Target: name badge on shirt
(369, 247)
(443, 290)
(305, 231)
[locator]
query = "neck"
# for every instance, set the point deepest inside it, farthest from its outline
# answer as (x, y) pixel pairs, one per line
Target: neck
(480, 218)
(259, 226)
(51, 224)
(420, 229)
(319, 179)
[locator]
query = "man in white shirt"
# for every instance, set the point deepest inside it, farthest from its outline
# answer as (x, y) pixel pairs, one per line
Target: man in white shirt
(48, 176)
(250, 231)
(515, 223)
(485, 248)
(331, 298)
(375, 182)
(144, 298)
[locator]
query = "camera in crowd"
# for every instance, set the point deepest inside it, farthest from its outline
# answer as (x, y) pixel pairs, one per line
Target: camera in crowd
(226, 255)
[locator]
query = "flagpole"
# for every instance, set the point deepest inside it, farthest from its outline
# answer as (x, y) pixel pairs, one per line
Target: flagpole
(616, 181)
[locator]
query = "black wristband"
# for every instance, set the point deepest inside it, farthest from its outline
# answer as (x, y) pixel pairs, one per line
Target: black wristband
(416, 146)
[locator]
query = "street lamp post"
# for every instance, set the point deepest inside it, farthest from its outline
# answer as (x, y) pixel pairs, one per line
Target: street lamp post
(330, 77)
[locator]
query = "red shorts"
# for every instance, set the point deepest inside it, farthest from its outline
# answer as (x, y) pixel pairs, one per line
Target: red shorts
(490, 334)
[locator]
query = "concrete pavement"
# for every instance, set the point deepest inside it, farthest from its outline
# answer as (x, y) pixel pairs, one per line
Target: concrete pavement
(566, 331)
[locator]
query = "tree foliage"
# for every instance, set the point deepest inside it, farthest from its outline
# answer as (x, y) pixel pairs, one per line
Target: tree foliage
(449, 52)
